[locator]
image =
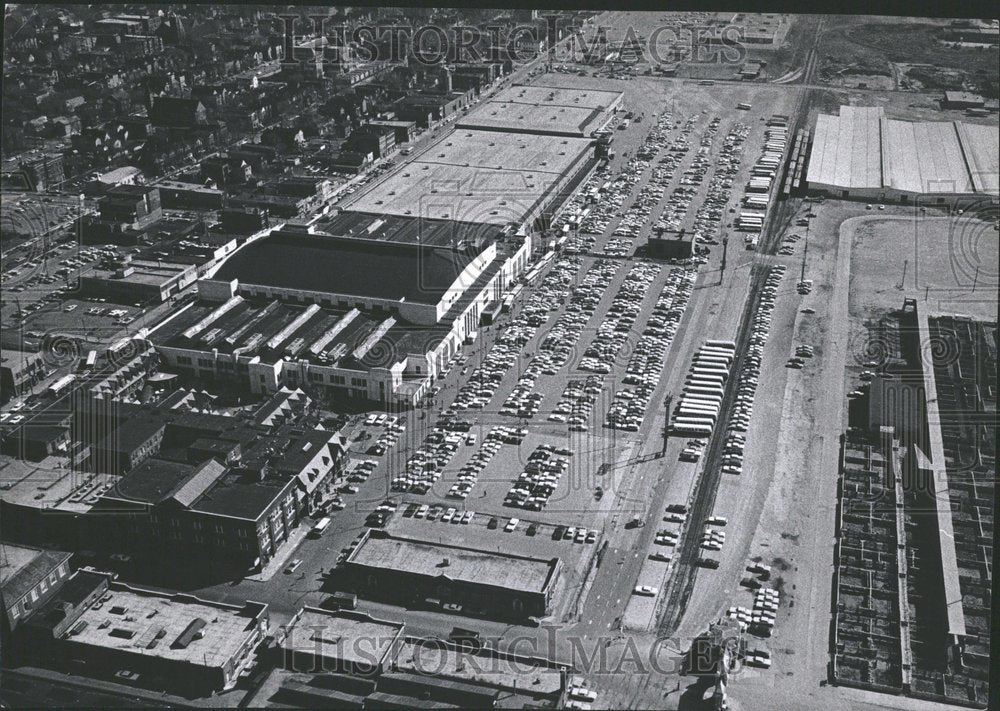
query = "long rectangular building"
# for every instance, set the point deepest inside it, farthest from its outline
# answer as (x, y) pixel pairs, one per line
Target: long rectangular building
(546, 110)
(487, 177)
(863, 154)
(484, 582)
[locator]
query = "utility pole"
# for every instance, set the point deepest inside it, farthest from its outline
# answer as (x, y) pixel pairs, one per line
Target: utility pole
(666, 422)
(804, 253)
(725, 250)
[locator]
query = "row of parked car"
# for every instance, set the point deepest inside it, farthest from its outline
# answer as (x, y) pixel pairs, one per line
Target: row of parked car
(709, 217)
(506, 350)
(646, 363)
(577, 402)
(600, 355)
(556, 347)
(425, 465)
(760, 619)
(635, 219)
(540, 477)
(740, 419)
(578, 208)
(621, 188)
(675, 210)
(387, 438)
(788, 244)
(468, 474)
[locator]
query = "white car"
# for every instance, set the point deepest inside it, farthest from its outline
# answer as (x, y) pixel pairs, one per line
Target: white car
(511, 525)
(646, 590)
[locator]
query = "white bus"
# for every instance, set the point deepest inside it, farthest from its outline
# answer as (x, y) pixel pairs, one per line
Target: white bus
(710, 365)
(728, 345)
(706, 384)
(708, 370)
(699, 415)
(320, 526)
(699, 406)
(713, 351)
(704, 390)
(702, 421)
(693, 430)
(712, 396)
(713, 378)
(695, 402)
(709, 359)
(709, 393)
(702, 404)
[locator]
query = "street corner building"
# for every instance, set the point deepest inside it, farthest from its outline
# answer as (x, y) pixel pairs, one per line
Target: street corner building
(174, 641)
(489, 583)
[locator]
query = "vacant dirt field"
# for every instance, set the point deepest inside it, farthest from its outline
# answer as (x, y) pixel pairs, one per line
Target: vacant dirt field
(930, 258)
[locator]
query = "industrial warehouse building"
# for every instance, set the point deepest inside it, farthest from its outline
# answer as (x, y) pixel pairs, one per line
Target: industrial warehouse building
(371, 301)
(862, 154)
(494, 584)
(490, 177)
(359, 306)
(344, 641)
(546, 110)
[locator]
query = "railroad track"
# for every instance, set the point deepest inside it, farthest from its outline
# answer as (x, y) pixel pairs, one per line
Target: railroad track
(681, 583)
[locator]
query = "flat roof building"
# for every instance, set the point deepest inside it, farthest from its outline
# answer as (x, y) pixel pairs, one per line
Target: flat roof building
(341, 641)
(173, 639)
(489, 177)
(140, 280)
(963, 100)
(862, 154)
(545, 110)
(483, 582)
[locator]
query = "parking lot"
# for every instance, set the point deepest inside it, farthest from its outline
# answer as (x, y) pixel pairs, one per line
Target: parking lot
(527, 368)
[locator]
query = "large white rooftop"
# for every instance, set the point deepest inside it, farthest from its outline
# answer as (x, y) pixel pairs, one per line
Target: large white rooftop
(863, 149)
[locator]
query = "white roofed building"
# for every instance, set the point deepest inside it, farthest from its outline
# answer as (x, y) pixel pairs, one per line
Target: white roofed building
(863, 154)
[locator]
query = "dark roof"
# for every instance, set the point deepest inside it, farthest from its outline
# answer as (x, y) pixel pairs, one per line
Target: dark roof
(209, 487)
(29, 575)
(154, 481)
(242, 497)
(175, 111)
(366, 268)
(396, 228)
(132, 433)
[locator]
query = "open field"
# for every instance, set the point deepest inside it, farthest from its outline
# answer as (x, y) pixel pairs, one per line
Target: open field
(906, 53)
(940, 257)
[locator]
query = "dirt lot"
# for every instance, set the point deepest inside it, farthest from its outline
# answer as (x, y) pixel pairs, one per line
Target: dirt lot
(855, 259)
(871, 45)
(940, 257)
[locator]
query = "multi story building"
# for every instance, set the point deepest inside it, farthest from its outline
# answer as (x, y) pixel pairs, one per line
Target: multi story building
(28, 578)
(99, 627)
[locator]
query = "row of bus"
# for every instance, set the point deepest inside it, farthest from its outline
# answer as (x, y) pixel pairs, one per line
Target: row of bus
(699, 406)
(763, 175)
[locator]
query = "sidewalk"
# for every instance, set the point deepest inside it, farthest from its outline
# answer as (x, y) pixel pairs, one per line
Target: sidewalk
(288, 548)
